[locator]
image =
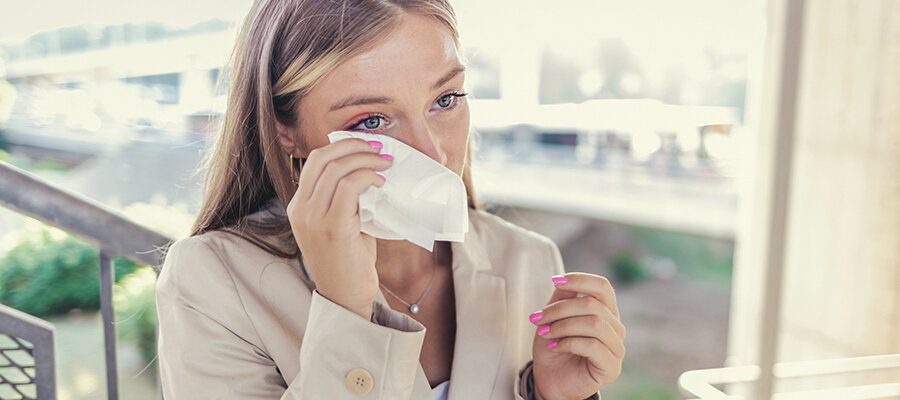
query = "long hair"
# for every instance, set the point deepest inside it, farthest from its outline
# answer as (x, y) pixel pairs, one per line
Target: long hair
(283, 48)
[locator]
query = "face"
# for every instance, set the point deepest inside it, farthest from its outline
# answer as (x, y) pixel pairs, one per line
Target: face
(409, 86)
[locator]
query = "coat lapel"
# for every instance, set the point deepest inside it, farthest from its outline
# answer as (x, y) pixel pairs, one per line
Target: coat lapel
(480, 323)
(480, 319)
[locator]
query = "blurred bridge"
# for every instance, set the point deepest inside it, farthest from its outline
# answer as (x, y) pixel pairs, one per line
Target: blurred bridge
(704, 207)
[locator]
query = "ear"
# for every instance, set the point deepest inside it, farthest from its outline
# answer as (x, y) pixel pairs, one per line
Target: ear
(286, 140)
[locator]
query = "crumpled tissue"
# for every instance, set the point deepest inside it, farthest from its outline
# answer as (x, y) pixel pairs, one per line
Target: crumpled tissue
(421, 200)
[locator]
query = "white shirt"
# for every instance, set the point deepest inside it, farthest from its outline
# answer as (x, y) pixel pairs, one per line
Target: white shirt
(440, 391)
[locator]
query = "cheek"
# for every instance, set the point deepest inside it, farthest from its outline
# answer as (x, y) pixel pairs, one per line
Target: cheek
(457, 130)
(455, 146)
(313, 137)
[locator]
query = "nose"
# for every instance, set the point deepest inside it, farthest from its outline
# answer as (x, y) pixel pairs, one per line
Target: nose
(422, 137)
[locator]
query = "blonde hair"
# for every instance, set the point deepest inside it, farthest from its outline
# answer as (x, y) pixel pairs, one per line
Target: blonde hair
(283, 49)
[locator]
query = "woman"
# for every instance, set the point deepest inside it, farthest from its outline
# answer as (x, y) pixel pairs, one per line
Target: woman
(276, 294)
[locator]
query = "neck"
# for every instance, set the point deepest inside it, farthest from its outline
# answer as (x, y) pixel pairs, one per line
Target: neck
(400, 264)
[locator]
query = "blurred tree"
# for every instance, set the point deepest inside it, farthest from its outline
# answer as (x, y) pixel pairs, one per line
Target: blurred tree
(617, 63)
(8, 96)
(74, 39)
(559, 80)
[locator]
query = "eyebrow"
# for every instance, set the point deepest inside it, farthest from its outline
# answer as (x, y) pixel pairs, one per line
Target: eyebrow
(446, 78)
(357, 100)
(360, 100)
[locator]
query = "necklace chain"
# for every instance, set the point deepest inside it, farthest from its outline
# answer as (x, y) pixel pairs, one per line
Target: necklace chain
(414, 307)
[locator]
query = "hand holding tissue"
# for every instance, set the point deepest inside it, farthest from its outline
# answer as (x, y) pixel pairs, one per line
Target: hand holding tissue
(421, 200)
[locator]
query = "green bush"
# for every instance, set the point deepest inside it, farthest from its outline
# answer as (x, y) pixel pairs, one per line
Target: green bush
(628, 269)
(135, 304)
(45, 273)
(698, 258)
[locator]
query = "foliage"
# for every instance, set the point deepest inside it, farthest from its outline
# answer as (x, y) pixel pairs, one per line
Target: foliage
(628, 269)
(648, 393)
(698, 258)
(135, 304)
(46, 273)
(172, 220)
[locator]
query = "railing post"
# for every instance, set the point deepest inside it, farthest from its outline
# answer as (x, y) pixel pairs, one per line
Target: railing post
(107, 278)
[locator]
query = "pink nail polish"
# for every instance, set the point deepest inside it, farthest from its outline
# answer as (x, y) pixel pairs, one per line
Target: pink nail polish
(559, 280)
(543, 330)
(534, 318)
(387, 157)
(375, 144)
(552, 344)
(382, 177)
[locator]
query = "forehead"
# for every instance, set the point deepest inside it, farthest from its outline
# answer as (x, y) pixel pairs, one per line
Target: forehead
(417, 52)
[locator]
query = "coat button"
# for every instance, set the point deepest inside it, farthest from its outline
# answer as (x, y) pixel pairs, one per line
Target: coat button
(360, 381)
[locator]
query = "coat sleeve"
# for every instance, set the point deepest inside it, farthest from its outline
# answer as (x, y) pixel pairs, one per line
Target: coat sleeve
(209, 349)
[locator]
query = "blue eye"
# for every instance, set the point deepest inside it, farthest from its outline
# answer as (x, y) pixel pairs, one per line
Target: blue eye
(445, 101)
(371, 122)
(449, 100)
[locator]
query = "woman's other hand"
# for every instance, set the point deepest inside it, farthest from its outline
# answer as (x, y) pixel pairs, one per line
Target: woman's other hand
(325, 221)
(579, 344)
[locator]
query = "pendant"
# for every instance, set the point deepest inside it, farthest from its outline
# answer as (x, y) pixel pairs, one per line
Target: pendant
(414, 308)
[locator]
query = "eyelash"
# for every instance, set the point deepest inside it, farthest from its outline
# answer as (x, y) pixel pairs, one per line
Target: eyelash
(457, 95)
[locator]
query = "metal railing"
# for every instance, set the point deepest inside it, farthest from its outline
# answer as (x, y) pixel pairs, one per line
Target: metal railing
(27, 355)
(700, 384)
(114, 235)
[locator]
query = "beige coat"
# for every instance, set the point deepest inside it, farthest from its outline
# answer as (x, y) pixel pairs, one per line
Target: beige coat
(232, 319)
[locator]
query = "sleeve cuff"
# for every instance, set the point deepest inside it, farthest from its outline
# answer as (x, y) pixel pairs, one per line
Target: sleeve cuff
(338, 340)
(525, 387)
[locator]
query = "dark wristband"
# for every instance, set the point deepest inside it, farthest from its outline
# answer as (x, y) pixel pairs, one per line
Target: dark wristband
(526, 383)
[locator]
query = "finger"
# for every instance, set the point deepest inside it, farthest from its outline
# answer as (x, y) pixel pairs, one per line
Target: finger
(575, 307)
(590, 348)
(560, 294)
(585, 326)
(319, 158)
(346, 198)
(592, 285)
(336, 170)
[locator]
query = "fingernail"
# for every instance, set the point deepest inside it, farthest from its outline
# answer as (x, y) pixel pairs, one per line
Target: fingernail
(559, 280)
(382, 177)
(534, 318)
(544, 330)
(375, 144)
(387, 157)
(552, 344)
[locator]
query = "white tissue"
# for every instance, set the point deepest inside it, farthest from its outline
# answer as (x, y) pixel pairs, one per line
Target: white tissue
(421, 200)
